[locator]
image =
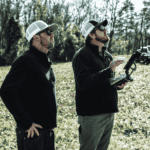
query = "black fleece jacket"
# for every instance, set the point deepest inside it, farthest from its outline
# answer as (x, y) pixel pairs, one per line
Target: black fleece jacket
(28, 90)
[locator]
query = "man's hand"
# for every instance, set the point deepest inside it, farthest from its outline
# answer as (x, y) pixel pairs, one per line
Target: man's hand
(33, 129)
(114, 64)
(122, 86)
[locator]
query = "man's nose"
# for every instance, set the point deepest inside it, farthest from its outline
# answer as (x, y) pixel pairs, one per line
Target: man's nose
(105, 32)
(52, 34)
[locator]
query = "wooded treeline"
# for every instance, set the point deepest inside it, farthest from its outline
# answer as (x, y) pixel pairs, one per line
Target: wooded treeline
(128, 30)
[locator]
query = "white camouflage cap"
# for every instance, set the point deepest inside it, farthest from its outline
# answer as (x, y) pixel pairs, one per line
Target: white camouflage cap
(38, 26)
(88, 26)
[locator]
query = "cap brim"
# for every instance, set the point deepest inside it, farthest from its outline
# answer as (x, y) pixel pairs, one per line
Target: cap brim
(53, 27)
(104, 23)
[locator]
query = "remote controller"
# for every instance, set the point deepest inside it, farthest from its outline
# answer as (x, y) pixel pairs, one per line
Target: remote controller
(120, 58)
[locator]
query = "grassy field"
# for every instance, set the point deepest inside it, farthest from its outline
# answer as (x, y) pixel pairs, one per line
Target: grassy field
(131, 124)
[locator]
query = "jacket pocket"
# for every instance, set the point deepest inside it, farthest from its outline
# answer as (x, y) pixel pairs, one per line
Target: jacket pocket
(36, 142)
(34, 138)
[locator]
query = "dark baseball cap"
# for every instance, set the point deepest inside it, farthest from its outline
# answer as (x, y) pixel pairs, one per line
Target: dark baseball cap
(91, 25)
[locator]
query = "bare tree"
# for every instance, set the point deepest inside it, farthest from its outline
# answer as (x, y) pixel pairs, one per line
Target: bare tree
(113, 10)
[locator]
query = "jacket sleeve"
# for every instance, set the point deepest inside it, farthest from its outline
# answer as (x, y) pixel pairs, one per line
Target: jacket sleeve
(10, 89)
(84, 77)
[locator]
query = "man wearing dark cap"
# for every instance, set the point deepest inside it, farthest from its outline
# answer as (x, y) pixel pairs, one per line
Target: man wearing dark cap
(97, 100)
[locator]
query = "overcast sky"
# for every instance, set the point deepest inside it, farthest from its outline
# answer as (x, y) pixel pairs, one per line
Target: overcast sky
(137, 3)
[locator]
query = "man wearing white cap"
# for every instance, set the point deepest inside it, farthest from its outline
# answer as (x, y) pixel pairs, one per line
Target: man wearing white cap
(28, 90)
(40, 35)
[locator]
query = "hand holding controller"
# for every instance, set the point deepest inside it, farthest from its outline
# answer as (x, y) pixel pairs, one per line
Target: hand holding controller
(116, 62)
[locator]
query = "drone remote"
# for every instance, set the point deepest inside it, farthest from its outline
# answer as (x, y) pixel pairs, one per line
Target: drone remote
(120, 58)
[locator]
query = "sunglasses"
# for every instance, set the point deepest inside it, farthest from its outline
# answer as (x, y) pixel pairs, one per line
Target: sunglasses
(101, 28)
(46, 30)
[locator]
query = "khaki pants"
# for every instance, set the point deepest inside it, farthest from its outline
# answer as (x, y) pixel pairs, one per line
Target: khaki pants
(94, 134)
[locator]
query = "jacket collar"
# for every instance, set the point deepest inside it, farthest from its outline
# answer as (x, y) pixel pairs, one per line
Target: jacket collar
(39, 54)
(95, 49)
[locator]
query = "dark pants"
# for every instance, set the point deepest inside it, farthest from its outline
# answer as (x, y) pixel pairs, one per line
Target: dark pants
(94, 134)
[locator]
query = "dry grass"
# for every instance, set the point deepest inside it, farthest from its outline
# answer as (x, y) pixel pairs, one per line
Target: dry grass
(131, 124)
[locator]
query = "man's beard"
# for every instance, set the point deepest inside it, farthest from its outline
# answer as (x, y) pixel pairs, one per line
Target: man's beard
(102, 41)
(51, 45)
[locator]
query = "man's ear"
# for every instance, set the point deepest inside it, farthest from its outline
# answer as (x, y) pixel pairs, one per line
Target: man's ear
(92, 35)
(36, 37)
